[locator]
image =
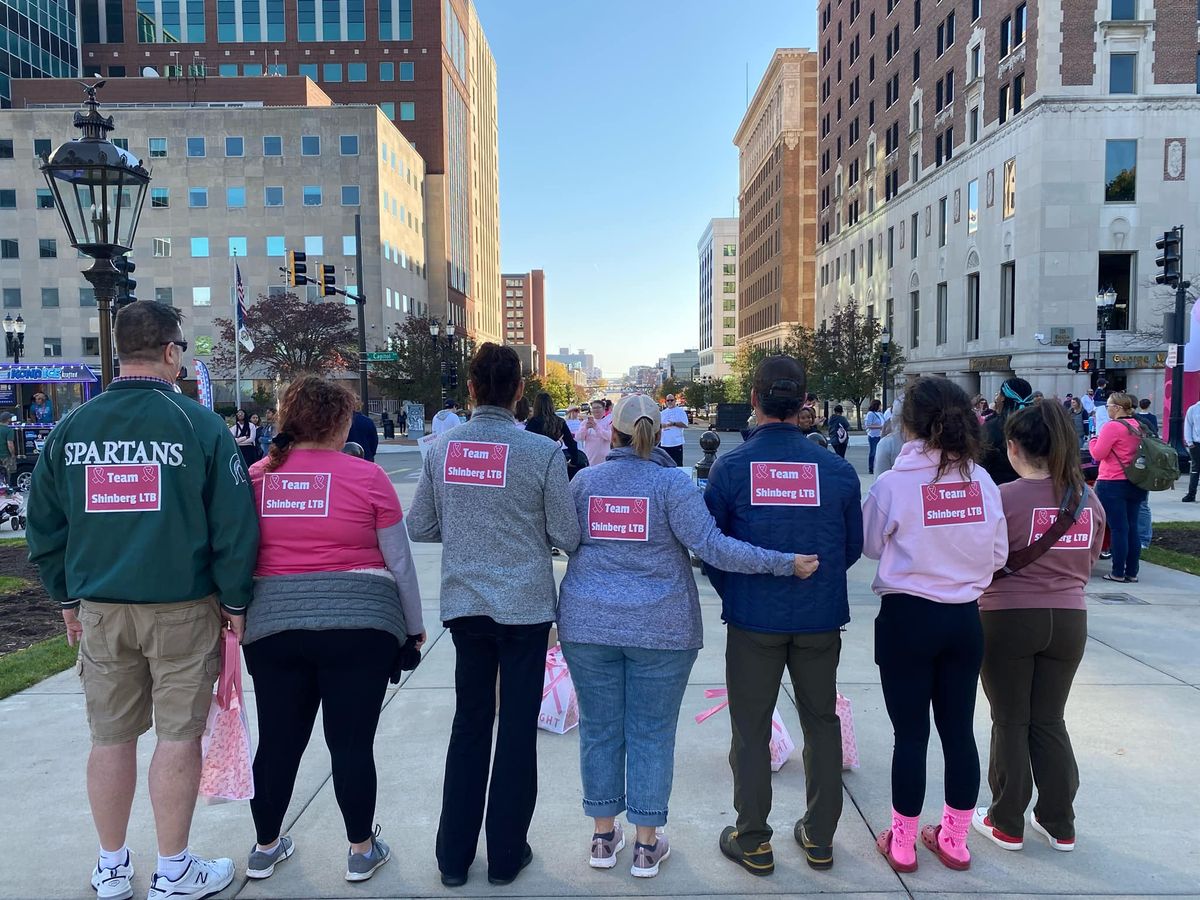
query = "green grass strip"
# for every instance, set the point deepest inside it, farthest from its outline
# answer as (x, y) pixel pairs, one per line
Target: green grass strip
(25, 668)
(1172, 559)
(9, 583)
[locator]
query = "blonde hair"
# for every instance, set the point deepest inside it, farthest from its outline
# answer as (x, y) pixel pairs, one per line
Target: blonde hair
(1125, 401)
(643, 440)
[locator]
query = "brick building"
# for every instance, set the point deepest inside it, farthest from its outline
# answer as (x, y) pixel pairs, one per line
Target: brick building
(988, 166)
(425, 63)
(777, 144)
(525, 317)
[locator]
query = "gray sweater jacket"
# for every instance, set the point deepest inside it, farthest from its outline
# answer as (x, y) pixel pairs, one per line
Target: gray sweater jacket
(496, 540)
(642, 593)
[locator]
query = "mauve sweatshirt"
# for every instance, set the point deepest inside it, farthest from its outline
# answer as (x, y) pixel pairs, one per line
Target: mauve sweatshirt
(937, 539)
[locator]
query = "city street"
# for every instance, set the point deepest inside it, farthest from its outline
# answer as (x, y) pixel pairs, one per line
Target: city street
(1134, 717)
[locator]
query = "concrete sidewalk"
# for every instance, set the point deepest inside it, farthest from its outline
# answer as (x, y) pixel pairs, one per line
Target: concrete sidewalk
(1134, 717)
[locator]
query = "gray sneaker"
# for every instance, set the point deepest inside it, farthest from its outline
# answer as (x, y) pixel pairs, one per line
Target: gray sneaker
(646, 860)
(604, 852)
(361, 866)
(262, 863)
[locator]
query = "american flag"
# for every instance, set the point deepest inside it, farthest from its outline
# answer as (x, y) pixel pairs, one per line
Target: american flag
(240, 289)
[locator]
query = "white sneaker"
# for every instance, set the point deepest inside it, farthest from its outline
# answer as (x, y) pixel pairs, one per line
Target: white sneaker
(1063, 846)
(114, 884)
(202, 878)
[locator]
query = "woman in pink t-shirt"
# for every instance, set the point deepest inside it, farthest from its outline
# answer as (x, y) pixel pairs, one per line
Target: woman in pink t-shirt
(336, 607)
(1114, 448)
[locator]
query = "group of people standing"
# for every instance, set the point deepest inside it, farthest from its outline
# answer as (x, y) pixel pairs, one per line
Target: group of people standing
(305, 558)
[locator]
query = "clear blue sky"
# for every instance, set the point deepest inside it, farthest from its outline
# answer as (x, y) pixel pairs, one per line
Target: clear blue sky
(616, 148)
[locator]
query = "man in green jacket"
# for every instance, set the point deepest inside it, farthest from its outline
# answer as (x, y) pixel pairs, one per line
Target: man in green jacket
(142, 525)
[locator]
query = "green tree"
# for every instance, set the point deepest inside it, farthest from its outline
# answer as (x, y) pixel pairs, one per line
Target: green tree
(557, 383)
(417, 373)
(847, 357)
(292, 337)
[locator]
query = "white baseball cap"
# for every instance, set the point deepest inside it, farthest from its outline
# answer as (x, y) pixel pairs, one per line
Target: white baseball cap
(630, 409)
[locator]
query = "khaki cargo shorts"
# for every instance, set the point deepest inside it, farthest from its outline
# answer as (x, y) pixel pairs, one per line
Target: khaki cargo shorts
(143, 662)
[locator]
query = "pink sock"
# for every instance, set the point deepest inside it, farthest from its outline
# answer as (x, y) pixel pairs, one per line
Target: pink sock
(953, 836)
(904, 838)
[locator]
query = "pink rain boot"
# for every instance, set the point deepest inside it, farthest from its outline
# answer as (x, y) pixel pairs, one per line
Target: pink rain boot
(898, 844)
(949, 840)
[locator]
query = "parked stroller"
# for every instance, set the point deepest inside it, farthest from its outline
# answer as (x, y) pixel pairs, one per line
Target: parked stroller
(12, 508)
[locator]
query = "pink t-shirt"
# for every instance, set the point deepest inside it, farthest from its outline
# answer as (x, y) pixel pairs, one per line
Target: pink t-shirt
(1115, 447)
(319, 511)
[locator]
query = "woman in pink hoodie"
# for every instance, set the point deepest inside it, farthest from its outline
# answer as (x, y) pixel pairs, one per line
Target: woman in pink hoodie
(936, 524)
(595, 434)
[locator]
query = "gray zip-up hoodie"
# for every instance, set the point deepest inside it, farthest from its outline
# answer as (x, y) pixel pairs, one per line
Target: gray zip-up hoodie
(624, 589)
(497, 498)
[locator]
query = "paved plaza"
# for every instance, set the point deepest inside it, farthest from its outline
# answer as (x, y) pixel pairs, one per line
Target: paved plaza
(1134, 717)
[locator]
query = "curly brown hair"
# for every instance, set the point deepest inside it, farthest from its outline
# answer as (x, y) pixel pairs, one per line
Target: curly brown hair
(938, 412)
(313, 409)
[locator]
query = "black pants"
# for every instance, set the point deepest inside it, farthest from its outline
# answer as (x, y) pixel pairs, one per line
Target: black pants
(1029, 662)
(676, 453)
(484, 648)
(840, 449)
(929, 654)
(754, 665)
(1194, 477)
(345, 672)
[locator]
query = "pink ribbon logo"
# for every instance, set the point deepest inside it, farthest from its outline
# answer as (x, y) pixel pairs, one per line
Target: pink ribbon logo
(499, 451)
(974, 490)
(597, 506)
(808, 473)
(98, 475)
(319, 481)
(456, 450)
(760, 470)
(930, 492)
(148, 472)
(273, 481)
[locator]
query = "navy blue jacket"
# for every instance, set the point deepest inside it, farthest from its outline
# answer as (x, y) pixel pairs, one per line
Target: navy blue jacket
(364, 433)
(833, 530)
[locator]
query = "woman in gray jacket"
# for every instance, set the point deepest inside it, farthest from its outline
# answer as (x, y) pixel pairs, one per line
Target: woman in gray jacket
(629, 622)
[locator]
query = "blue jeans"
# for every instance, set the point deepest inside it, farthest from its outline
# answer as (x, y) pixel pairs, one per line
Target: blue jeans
(629, 701)
(1121, 501)
(1145, 523)
(872, 443)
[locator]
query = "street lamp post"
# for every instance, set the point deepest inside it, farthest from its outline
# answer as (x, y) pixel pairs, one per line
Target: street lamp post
(14, 337)
(885, 360)
(442, 346)
(1105, 301)
(98, 190)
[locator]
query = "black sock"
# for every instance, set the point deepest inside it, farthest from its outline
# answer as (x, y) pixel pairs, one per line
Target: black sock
(607, 836)
(650, 847)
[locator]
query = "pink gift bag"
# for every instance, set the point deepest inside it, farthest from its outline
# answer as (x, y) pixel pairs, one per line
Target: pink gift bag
(849, 743)
(227, 772)
(560, 707)
(781, 742)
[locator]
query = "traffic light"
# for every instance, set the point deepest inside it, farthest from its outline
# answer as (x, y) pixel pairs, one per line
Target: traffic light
(1073, 356)
(453, 376)
(297, 270)
(326, 279)
(1170, 245)
(1087, 365)
(125, 284)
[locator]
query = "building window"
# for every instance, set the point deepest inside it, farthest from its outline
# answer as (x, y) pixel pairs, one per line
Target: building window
(235, 146)
(312, 195)
(1120, 171)
(915, 318)
(943, 222)
(348, 144)
(1002, 111)
(195, 147)
(350, 195)
(9, 249)
(160, 198)
(273, 145)
(162, 247)
(1008, 299)
(90, 346)
(8, 199)
(349, 248)
(44, 199)
(238, 247)
(976, 10)
(309, 71)
(235, 198)
(1124, 10)
(165, 296)
(408, 71)
(973, 124)
(310, 145)
(1018, 37)
(408, 111)
(870, 257)
(1010, 187)
(1122, 73)
(276, 245)
(6, 147)
(198, 198)
(943, 313)
(201, 296)
(973, 306)
(87, 297)
(976, 64)
(972, 206)
(199, 246)
(1116, 271)
(158, 148)
(331, 72)
(356, 71)
(387, 71)
(891, 247)
(314, 245)
(913, 224)
(273, 195)
(12, 298)
(389, 110)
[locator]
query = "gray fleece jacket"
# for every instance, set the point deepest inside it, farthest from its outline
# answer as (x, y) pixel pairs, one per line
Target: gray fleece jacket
(629, 588)
(496, 497)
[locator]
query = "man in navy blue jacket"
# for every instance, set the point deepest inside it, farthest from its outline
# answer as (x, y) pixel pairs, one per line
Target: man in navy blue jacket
(781, 491)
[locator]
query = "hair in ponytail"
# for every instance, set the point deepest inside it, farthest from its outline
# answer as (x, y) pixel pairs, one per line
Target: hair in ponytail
(495, 375)
(1044, 433)
(938, 412)
(643, 440)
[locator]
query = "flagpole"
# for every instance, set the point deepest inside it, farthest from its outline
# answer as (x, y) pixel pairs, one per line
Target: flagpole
(237, 340)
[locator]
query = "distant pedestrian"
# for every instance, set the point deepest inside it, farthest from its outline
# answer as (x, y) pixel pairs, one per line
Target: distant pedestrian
(496, 513)
(245, 435)
(806, 420)
(1015, 393)
(545, 421)
(1191, 439)
(674, 423)
(874, 425)
(573, 421)
(267, 433)
(1034, 619)
(148, 570)
(402, 421)
(1079, 420)
(446, 419)
(889, 446)
(839, 431)
(596, 433)
(936, 525)
(1115, 447)
(42, 409)
(522, 412)
(1146, 417)
(364, 433)
(773, 625)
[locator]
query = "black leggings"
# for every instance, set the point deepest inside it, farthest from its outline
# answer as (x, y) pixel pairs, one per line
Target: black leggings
(345, 672)
(930, 653)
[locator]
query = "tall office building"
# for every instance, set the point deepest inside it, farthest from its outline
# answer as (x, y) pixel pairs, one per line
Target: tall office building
(777, 144)
(38, 39)
(525, 317)
(979, 221)
(417, 59)
(718, 249)
(485, 173)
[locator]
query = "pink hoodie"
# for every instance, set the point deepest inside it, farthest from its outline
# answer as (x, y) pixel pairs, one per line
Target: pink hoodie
(939, 540)
(597, 440)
